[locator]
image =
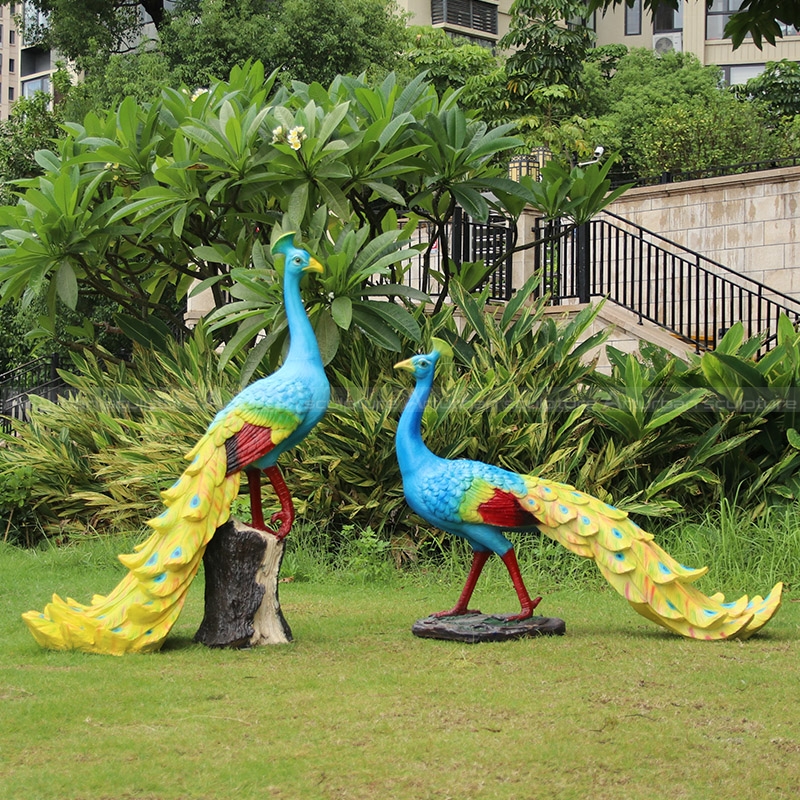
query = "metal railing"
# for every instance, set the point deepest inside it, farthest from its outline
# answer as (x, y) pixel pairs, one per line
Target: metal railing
(714, 171)
(532, 163)
(39, 377)
(469, 241)
(687, 294)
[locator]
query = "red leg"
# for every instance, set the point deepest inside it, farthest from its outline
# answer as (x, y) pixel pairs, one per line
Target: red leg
(256, 511)
(528, 605)
(286, 514)
(462, 606)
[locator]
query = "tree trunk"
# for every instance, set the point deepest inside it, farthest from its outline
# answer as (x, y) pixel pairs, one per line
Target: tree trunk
(241, 602)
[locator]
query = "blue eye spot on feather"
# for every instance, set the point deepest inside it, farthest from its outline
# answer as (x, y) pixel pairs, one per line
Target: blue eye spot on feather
(672, 605)
(586, 521)
(563, 509)
(118, 629)
(160, 578)
(617, 532)
(152, 560)
(619, 556)
(176, 553)
(194, 502)
(664, 569)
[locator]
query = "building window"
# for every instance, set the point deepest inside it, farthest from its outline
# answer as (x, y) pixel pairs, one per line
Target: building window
(474, 14)
(29, 88)
(589, 22)
(11, 93)
(666, 19)
(12, 65)
(12, 37)
(633, 19)
(718, 15)
(733, 75)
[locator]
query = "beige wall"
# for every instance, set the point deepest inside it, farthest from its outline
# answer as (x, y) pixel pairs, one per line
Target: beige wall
(611, 30)
(750, 223)
(9, 52)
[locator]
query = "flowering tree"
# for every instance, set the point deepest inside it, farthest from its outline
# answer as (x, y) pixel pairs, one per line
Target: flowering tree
(149, 202)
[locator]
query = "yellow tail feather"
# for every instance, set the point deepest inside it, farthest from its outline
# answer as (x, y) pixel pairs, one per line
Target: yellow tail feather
(656, 586)
(140, 611)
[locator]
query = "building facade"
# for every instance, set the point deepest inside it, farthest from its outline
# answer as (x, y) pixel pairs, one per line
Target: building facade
(483, 22)
(695, 29)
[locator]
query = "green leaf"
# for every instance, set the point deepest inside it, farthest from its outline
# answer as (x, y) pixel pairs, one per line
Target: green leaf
(150, 333)
(67, 285)
(342, 311)
(397, 317)
(217, 254)
(471, 310)
(327, 333)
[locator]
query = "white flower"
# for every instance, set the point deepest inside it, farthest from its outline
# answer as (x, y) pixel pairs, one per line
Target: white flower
(277, 134)
(197, 92)
(295, 137)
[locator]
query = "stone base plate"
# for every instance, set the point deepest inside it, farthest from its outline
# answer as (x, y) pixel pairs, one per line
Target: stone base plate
(473, 628)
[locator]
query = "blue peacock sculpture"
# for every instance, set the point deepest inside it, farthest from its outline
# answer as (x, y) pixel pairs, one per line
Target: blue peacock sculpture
(266, 419)
(478, 502)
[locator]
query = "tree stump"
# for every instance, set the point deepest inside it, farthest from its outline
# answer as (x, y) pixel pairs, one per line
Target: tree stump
(242, 608)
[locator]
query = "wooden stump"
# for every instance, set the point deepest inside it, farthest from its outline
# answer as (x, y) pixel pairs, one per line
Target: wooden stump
(241, 602)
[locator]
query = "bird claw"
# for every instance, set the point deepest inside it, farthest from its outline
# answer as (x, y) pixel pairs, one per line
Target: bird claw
(285, 520)
(526, 613)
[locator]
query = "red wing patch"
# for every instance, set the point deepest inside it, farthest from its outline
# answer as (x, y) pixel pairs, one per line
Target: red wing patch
(248, 445)
(504, 511)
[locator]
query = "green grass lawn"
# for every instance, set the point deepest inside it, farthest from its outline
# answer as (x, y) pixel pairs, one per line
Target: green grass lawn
(357, 707)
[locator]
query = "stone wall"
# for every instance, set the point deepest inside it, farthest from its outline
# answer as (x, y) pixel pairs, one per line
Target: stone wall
(750, 223)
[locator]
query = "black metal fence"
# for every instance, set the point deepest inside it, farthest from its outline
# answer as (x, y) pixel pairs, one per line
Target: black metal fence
(39, 377)
(469, 241)
(686, 293)
(532, 163)
(716, 171)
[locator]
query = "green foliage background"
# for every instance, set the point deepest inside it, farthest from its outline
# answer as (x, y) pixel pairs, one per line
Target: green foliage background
(656, 437)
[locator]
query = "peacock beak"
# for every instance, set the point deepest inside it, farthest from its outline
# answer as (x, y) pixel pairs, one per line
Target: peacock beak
(313, 266)
(407, 364)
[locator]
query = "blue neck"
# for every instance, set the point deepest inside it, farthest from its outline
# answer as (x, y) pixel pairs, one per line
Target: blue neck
(303, 347)
(411, 450)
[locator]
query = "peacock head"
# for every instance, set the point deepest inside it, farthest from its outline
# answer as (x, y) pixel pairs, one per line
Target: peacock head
(297, 260)
(424, 365)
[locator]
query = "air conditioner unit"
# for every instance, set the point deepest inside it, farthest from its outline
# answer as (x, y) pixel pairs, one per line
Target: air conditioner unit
(667, 42)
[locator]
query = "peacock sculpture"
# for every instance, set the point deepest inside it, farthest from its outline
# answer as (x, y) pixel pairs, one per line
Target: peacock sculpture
(478, 502)
(263, 421)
